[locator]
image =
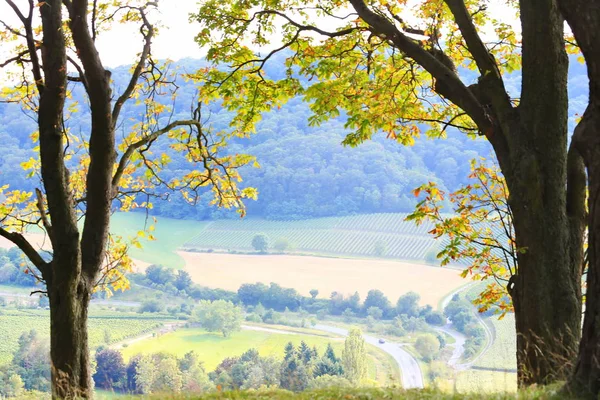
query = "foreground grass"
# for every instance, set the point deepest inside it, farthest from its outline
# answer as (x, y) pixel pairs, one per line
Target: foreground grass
(359, 394)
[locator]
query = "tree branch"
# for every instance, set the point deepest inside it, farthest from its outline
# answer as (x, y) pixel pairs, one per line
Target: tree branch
(138, 68)
(142, 142)
(483, 58)
(22, 243)
(31, 43)
(451, 86)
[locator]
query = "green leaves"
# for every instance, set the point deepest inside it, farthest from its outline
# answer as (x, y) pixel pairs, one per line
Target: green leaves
(479, 231)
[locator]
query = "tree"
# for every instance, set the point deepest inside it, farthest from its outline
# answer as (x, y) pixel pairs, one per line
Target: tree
(260, 243)
(145, 374)
(408, 304)
(354, 357)
(294, 374)
(480, 230)
(84, 178)
(371, 67)
(375, 312)
(218, 316)
(583, 18)
(110, 370)
(376, 298)
(183, 280)
(159, 274)
(168, 377)
(314, 293)
(428, 346)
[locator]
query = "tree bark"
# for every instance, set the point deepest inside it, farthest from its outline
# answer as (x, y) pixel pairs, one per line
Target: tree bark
(548, 219)
(530, 142)
(583, 16)
(69, 352)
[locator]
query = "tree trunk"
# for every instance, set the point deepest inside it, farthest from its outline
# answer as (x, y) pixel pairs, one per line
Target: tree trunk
(69, 342)
(548, 219)
(69, 297)
(586, 378)
(583, 16)
(547, 308)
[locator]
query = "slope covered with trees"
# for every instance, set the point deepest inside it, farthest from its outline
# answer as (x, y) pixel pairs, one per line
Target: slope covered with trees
(305, 171)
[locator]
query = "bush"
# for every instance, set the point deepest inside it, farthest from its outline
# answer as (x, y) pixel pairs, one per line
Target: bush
(254, 317)
(428, 346)
(152, 306)
(219, 316)
(436, 318)
(281, 245)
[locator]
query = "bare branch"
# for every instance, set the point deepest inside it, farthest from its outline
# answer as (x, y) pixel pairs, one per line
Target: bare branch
(142, 142)
(22, 243)
(147, 31)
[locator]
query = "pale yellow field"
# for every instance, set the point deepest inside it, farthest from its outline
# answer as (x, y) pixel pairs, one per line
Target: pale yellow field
(229, 271)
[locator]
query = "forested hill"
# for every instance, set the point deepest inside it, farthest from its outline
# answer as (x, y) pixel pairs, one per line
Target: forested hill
(305, 171)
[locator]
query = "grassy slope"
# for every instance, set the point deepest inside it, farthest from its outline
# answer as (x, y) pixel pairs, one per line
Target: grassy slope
(170, 235)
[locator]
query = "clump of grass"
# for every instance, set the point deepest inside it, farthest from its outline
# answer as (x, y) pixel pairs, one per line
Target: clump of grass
(533, 393)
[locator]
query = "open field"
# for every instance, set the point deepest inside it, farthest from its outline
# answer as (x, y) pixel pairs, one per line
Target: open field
(212, 348)
(394, 278)
(13, 323)
(477, 381)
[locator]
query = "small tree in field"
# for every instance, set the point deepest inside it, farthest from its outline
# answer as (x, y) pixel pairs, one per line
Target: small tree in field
(380, 248)
(260, 243)
(219, 316)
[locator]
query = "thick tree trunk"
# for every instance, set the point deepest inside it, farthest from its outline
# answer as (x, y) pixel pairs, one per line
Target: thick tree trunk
(546, 290)
(586, 378)
(69, 354)
(545, 293)
(583, 16)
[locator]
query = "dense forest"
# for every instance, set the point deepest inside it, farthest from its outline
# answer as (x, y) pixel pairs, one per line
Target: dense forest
(305, 171)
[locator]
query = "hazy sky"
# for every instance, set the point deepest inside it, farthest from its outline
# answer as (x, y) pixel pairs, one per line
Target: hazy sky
(120, 45)
(176, 39)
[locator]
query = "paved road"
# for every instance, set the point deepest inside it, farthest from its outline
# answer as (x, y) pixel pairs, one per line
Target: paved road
(460, 339)
(412, 376)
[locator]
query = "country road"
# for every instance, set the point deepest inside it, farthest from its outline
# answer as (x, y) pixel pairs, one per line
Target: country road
(459, 338)
(412, 376)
